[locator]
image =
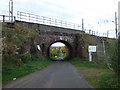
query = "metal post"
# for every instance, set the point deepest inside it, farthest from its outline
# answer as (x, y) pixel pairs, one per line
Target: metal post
(3, 18)
(20, 16)
(14, 18)
(17, 14)
(90, 56)
(82, 24)
(107, 33)
(74, 26)
(11, 10)
(89, 31)
(29, 17)
(50, 20)
(92, 32)
(55, 21)
(36, 18)
(61, 22)
(118, 20)
(116, 24)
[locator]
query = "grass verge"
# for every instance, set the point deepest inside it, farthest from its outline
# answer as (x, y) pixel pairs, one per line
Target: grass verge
(10, 72)
(99, 76)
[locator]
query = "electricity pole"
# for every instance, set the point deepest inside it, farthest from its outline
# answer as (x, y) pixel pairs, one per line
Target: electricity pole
(11, 10)
(116, 23)
(82, 24)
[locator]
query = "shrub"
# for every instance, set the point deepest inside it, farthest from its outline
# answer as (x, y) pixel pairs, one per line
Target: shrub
(34, 56)
(25, 57)
(13, 40)
(114, 57)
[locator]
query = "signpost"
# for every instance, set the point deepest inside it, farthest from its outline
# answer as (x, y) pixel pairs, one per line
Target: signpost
(11, 10)
(90, 50)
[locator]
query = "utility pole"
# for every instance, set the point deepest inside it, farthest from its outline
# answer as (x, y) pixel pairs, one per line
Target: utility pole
(82, 24)
(107, 33)
(90, 31)
(11, 10)
(118, 20)
(116, 24)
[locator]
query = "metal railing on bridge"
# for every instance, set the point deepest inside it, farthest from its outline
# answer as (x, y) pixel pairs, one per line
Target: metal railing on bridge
(27, 17)
(6, 18)
(22, 16)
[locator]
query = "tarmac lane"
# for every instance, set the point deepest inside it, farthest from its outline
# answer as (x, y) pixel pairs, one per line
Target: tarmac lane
(60, 74)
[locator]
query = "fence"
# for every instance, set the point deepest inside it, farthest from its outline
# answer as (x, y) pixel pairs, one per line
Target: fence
(5, 18)
(22, 16)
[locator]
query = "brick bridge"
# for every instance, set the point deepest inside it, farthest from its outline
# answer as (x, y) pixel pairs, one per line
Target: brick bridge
(52, 34)
(53, 30)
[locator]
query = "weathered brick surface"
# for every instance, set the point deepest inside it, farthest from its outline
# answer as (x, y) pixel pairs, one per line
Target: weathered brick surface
(52, 34)
(73, 39)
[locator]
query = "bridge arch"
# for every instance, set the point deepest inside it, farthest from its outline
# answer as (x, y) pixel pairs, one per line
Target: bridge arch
(67, 44)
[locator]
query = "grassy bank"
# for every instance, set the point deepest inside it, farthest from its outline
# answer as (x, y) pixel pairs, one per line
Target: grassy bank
(10, 71)
(97, 75)
(19, 54)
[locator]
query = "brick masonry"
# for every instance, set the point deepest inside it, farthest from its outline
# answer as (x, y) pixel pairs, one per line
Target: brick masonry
(73, 39)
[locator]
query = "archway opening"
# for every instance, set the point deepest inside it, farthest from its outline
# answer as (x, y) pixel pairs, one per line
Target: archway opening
(60, 50)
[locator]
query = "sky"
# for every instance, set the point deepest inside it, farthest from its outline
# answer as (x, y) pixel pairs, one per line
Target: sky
(57, 44)
(97, 14)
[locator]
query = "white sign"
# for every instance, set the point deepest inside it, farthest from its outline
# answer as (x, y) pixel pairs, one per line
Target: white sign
(92, 49)
(38, 47)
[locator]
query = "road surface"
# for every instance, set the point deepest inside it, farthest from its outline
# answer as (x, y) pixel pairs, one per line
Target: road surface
(57, 75)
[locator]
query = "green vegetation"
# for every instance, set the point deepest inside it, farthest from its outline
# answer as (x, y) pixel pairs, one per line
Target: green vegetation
(58, 52)
(115, 57)
(13, 41)
(16, 60)
(113, 54)
(10, 72)
(97, 75)
(78, 63)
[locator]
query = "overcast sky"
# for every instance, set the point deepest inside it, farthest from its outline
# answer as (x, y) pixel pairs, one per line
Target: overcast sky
(97, 14)
(57, 44)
